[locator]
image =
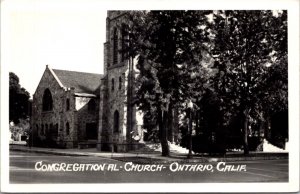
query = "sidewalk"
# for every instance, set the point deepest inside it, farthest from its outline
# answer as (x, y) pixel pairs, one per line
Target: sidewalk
(152, 157)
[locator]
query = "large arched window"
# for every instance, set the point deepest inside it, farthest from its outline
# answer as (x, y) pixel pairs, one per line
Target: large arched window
(116, 121)
(47, 100)
(123, 45)
(115, 46)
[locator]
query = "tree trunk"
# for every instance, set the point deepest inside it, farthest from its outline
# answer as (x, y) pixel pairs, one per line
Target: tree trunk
(176, 126)
(170, 122)
(245, 129)
(197, 122)
(162, 123)
(268, 128)
(190, 131)
(262, 126)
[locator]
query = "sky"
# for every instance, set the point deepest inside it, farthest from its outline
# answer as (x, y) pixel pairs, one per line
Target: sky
(61, 34)
(69, 34)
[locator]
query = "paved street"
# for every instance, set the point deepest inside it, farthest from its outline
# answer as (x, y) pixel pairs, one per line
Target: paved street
(22, 170)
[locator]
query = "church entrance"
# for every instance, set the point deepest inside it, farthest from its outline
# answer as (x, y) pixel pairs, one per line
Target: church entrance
(91, 131)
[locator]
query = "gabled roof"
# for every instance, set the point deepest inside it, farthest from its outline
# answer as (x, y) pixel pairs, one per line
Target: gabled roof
(88, 83)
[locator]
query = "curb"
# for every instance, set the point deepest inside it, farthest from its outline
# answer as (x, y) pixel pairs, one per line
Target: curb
(49, 152)
(247, 158)
(154, 160)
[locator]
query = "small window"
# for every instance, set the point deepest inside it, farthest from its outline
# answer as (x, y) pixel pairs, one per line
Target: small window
(120, 83)
(43, 130)
(46, 128)
(68, 104)
(112, 84)
(92, 105)
(51, 132)
(60, 127)
(54, 130)
(37, 128)
(116, 121)
(67, 128)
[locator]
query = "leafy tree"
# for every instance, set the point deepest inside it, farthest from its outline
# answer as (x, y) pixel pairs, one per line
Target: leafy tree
(168, 46)
(18, 100)
(250, 50)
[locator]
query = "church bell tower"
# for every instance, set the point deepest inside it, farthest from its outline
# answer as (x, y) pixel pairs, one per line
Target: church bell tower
(118, 114)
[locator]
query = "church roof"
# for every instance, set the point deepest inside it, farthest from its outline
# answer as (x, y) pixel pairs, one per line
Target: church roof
(88, 83)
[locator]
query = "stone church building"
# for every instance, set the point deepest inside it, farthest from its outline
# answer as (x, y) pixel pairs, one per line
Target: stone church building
(76, 108)
(65, 108)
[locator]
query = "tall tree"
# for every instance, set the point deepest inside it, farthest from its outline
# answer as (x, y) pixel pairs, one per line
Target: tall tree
(168, 46)
(18, 99)
(249, 48)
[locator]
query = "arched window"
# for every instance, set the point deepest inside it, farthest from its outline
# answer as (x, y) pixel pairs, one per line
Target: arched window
(68, 104)
(47, 100)
(112, 84)
(67, 128)
(116, 121)
(115, 46)
(92, 105)
(120, 83)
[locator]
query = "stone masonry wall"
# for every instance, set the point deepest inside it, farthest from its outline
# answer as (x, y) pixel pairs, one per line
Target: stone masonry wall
(57, 117)
(85, 116)
(103, 130)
